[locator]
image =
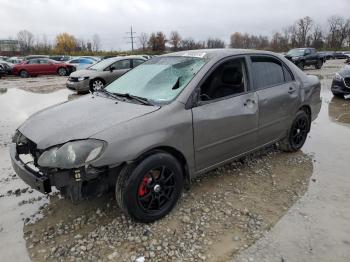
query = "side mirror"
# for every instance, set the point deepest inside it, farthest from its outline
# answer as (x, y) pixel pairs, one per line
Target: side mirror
(112, 68)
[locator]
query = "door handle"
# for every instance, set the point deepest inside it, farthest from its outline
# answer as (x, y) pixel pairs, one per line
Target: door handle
(249, 101)
(291, 90)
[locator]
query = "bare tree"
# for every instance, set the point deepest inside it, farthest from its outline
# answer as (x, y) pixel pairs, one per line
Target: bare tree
(26, 41)
(303, 28)
(157, 42)
(339, 30)
(143, 41)
(175, 40)
(96, 43)
(317, 37)
(215, 43)
(236, 40)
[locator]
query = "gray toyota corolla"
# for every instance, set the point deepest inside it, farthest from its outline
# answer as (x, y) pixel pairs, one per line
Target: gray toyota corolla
(176, 116)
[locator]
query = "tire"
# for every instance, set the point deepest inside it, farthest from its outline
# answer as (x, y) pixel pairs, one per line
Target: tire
(23, 73)
(149, 189)
(319, 64)
(62, 71)
(301, 65)
(338, 95)
(297, 133)
(96, 85)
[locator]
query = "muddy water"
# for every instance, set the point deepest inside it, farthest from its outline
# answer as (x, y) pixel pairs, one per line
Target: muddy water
(15, 106)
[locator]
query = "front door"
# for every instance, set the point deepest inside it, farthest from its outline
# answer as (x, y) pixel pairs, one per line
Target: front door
(226, 119)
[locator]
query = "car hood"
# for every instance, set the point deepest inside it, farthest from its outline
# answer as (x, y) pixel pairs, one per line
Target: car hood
(79, 119)
(85, 73)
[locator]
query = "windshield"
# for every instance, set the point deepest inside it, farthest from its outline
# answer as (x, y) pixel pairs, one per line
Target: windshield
(296, 52)
(160, 79)
(100, 66)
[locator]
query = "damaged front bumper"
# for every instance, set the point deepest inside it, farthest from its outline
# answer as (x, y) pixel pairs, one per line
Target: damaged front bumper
(76, 184)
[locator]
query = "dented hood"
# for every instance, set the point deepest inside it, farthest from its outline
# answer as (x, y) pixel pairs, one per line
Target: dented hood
(79, 119)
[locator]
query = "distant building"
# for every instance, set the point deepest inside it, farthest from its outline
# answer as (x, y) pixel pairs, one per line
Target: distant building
(9, 48)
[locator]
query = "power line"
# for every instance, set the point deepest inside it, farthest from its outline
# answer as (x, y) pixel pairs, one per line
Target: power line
(132, 38)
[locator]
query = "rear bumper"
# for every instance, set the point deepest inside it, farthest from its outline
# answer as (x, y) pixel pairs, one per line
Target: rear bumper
(33, 179)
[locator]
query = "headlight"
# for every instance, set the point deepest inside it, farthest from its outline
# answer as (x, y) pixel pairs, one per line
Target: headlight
(295, 58)
(83, 78)
(72, 154)
(338, 77)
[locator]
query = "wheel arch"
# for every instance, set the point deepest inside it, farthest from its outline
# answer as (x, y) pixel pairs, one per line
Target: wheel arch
(175, 153)
(307, 110)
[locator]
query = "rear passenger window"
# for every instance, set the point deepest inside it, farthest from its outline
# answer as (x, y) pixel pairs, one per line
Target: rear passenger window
(267, 72)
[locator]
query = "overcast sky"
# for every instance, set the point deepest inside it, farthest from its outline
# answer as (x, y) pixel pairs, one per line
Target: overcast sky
(192, 18)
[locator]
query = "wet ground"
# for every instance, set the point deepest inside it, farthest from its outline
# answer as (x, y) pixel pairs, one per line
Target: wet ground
(271, 206)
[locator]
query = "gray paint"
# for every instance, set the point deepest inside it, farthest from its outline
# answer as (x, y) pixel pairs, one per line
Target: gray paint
(206, 135)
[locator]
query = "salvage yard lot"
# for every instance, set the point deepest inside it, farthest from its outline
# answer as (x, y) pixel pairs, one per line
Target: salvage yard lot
(220, 218)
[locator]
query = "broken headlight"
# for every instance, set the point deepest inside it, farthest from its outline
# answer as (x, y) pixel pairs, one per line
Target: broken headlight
(72, 154)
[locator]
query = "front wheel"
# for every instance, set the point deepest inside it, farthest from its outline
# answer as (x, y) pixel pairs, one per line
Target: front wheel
(319, 64)
(96, 85)
(297, 133)
(148, 190)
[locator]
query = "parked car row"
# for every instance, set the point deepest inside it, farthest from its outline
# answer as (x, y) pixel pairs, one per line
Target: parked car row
(102, 73)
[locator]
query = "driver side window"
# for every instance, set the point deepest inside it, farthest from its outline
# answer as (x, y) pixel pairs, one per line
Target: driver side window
(226, 80)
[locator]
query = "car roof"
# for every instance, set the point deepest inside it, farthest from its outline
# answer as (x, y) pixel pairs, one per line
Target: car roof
(218, 53)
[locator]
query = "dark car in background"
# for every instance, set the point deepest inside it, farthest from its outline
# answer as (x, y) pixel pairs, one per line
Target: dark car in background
(2, 71)
(340, 55)
(41, 66)
(7, 67)
(305, 57)
(102, 73)
(341, 83)
(162, 124)
(327, 55)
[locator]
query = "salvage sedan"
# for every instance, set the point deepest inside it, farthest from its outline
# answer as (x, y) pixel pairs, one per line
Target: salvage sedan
(158, 126)
(341, 83)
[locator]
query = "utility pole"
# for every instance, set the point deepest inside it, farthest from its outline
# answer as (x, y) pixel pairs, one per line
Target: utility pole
(132, 38)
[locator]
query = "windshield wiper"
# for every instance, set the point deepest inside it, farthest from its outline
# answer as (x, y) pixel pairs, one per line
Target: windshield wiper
(142, 100)
(104, 91)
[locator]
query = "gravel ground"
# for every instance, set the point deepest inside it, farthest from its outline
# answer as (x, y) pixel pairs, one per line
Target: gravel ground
(225, 211)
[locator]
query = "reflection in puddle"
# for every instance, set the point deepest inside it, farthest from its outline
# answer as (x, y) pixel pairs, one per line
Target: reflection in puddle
(339, 111)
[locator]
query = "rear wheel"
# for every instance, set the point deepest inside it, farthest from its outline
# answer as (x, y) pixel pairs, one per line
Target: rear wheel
(319, 64)
(62, 71)
(23, 73)
(148, 190)
(297, 134)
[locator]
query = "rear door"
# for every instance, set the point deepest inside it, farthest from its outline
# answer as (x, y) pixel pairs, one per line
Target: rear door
(33, 66)
(225, 120)
(278, 95)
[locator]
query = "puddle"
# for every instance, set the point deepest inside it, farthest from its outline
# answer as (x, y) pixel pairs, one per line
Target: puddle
(16, 199)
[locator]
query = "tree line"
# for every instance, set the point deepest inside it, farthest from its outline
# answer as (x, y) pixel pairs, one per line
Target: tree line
(305, 32)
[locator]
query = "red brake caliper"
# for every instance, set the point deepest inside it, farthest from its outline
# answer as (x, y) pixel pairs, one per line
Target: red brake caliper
(142, 188)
